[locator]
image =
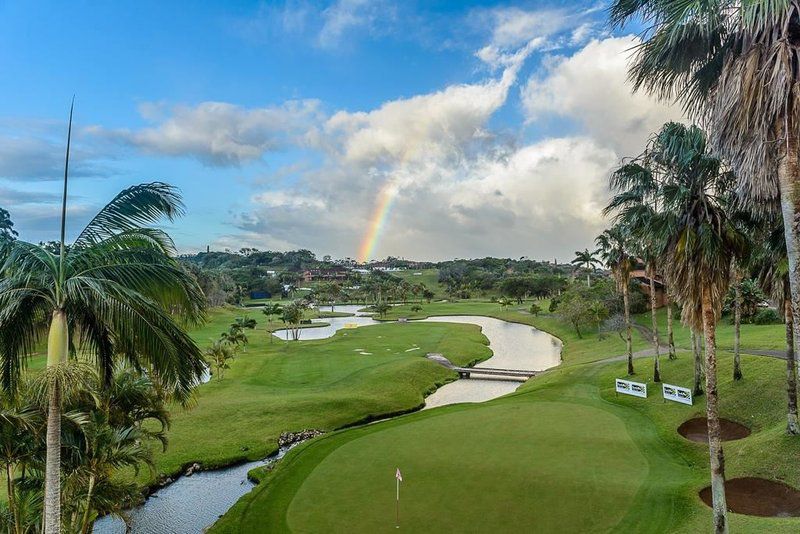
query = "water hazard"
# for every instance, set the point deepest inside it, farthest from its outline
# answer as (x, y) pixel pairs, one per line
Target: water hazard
(192, 504)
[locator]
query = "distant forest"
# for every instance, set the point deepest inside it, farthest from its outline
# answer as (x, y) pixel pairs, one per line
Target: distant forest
(235, 276)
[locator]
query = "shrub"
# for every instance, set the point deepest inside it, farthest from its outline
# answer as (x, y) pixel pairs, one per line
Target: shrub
(767, 316)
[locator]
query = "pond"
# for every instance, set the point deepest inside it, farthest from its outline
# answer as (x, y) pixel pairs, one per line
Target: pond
(192, 504)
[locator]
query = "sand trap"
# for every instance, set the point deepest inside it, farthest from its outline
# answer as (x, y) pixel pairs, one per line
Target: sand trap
(758, 496)
(697, 430)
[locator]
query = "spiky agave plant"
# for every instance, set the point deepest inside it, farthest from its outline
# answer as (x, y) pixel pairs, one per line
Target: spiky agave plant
(115, 294)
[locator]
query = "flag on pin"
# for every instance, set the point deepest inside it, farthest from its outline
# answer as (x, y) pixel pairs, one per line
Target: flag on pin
(398, 475)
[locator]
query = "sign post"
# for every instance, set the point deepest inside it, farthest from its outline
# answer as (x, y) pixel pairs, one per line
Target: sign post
(637, 389)
(677, 394)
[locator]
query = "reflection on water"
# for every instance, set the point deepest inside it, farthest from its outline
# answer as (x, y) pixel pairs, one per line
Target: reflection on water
(514, 346)
(334, 323)
(192, 504)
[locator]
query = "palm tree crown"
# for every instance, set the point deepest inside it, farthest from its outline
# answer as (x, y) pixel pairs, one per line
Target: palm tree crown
(120, 287)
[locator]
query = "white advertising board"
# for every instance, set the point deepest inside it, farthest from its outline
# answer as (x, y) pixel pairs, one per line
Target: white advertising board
(637, 389)
(677, 394)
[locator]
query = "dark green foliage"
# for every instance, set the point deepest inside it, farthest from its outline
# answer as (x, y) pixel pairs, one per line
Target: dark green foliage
(767, 316)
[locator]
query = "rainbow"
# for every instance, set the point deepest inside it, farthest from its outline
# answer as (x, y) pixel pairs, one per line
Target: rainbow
(386, 197)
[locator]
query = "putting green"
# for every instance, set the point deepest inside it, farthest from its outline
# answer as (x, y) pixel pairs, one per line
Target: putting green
(565, 467)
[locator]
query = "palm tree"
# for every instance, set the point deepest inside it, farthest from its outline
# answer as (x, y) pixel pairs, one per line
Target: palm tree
(587, 260)
(699, 370)
(293, 316)
(735, 66)
(219, 354)
(701, 242)
(244, 322)
(115, 292)
(636, 203)
(236, 337)
(19, 423)
(613, 249)
(772, 266)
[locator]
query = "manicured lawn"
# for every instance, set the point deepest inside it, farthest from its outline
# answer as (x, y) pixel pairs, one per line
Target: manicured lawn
(768, 337)
(564, 453)
(275, 387)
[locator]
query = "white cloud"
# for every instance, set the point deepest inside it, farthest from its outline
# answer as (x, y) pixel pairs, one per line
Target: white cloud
(283, 199)
(219, 133)
(590, 88)
(513, 27)
(435, 125)
(345, 15)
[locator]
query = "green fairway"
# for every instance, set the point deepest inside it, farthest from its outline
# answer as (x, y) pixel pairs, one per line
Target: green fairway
(275, 387)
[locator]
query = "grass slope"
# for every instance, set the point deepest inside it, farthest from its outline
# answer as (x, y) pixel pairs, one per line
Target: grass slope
(564, 453)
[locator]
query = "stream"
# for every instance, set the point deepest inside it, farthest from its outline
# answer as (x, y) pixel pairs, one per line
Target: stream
(192, 504)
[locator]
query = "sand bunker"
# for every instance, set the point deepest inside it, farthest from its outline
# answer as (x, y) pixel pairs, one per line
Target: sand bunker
(697, 430)
(758, 496)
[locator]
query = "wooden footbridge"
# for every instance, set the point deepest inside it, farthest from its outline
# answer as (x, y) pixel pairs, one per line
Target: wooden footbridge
(482, 372)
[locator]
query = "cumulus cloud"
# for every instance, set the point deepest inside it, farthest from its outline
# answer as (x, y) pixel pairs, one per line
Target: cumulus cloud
(219, 133)
(590, 88)
(432, 126)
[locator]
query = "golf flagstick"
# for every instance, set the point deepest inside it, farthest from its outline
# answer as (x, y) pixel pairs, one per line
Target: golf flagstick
(398, 479)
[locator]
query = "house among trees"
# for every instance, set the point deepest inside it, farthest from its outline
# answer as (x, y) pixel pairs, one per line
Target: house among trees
(331, 274)
(640, 275)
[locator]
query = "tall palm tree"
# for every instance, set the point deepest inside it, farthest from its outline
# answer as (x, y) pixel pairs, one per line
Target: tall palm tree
(587, 260)
(701, 242)
(116, 292)
(636, 204)
(772, 266)
(613, 247)
(734, 65)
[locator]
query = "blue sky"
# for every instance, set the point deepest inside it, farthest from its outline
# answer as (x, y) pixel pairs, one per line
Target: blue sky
(282, 122)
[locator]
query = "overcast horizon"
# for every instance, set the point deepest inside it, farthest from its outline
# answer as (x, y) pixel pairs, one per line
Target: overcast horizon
(354, 128)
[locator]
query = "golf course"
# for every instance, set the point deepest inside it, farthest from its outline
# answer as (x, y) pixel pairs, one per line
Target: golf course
(563, 452)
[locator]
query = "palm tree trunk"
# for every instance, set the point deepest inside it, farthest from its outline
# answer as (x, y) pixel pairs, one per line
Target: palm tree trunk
(654, 317)
(588, 280)
(715, 452)
(627, 309)
(89, 494)
(737, 331)
(792, 425)
(670, 329)
(789, 187)
(57, 343)
(12, 501)
(698, 365)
